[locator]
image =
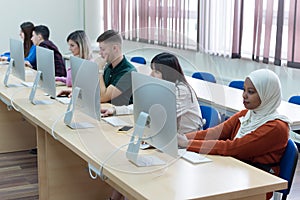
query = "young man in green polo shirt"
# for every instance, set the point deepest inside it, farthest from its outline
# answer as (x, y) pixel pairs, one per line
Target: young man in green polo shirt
(115, 81)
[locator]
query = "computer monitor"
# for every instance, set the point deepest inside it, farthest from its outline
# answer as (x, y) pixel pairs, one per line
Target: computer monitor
(16, 65)
(155, 118)
(45, 77)
(85, 92)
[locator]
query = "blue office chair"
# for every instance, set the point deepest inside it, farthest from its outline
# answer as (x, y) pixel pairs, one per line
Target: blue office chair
(211, 115)
(237, 84)
(295, 99)
(138, 59)
(288, 164)
(205, 76)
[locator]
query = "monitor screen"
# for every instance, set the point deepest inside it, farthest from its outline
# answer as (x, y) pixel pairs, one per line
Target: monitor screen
(45, 77)
(157, 99)
(17, 57)
(86, 87)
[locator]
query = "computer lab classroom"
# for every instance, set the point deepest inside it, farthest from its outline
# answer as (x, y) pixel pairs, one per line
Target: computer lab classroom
(219, 44)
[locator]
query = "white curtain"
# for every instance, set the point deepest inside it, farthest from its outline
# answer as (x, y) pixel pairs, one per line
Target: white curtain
(216, 26)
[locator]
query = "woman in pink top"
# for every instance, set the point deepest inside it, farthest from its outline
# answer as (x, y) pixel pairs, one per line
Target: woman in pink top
(80, 46)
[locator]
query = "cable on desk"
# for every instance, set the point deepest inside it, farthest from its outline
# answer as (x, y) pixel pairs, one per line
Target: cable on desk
(12, 98)
(90, 171)
(100, 172)
(54, 124)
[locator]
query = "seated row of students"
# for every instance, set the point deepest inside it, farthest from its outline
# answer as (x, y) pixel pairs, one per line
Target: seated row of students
(167, 67)
(115, 78)
(257, 135)
(33, 36)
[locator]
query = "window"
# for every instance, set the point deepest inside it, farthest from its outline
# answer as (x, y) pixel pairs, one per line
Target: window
(170, 23)
(246, 28)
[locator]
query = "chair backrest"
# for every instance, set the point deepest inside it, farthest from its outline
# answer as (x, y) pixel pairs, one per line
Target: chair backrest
(288, 165)
(237, 84)
(138, 59)
(211, 115)
(205, 76)
(295, 99)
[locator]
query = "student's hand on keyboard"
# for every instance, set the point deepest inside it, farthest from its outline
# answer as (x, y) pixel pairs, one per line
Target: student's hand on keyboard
(182, 140)
(27, 64)
(108, 111)
(65, 93)
(3, 58)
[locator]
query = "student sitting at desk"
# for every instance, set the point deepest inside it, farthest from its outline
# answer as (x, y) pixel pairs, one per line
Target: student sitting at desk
(166, 66)
(29, 48)
(40, 37)
(115, 80)
(257, 135)
(80, 46)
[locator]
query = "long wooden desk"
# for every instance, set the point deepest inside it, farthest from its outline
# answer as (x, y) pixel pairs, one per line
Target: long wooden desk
(63, 161)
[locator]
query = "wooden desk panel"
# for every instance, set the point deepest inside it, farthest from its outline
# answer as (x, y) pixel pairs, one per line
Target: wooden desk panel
(63, 175)
(16, 133)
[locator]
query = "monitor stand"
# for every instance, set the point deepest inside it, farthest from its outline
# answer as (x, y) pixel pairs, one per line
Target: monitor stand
(8, 71)
(33, 91)
(70, 112)
(134, 146)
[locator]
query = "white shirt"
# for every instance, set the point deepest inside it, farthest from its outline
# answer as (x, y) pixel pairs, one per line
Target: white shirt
(189, 117)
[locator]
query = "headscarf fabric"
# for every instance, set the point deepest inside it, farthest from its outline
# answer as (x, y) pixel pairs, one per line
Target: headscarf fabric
(268, 87)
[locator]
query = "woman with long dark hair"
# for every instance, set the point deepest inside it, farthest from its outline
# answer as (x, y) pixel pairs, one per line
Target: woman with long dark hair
(26, 29)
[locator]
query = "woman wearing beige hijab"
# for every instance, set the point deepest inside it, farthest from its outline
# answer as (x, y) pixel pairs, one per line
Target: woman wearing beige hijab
(257, 135)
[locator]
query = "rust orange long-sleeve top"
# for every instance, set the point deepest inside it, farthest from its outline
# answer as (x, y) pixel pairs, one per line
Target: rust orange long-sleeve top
(265, 145)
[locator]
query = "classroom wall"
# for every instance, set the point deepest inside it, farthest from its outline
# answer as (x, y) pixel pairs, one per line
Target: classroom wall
(61, 16)
(92, 23)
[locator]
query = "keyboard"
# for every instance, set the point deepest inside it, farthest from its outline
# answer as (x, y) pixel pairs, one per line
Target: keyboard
(115, 121)
(27, 84)
(63, 100)
(193, 157)
(4, 63)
